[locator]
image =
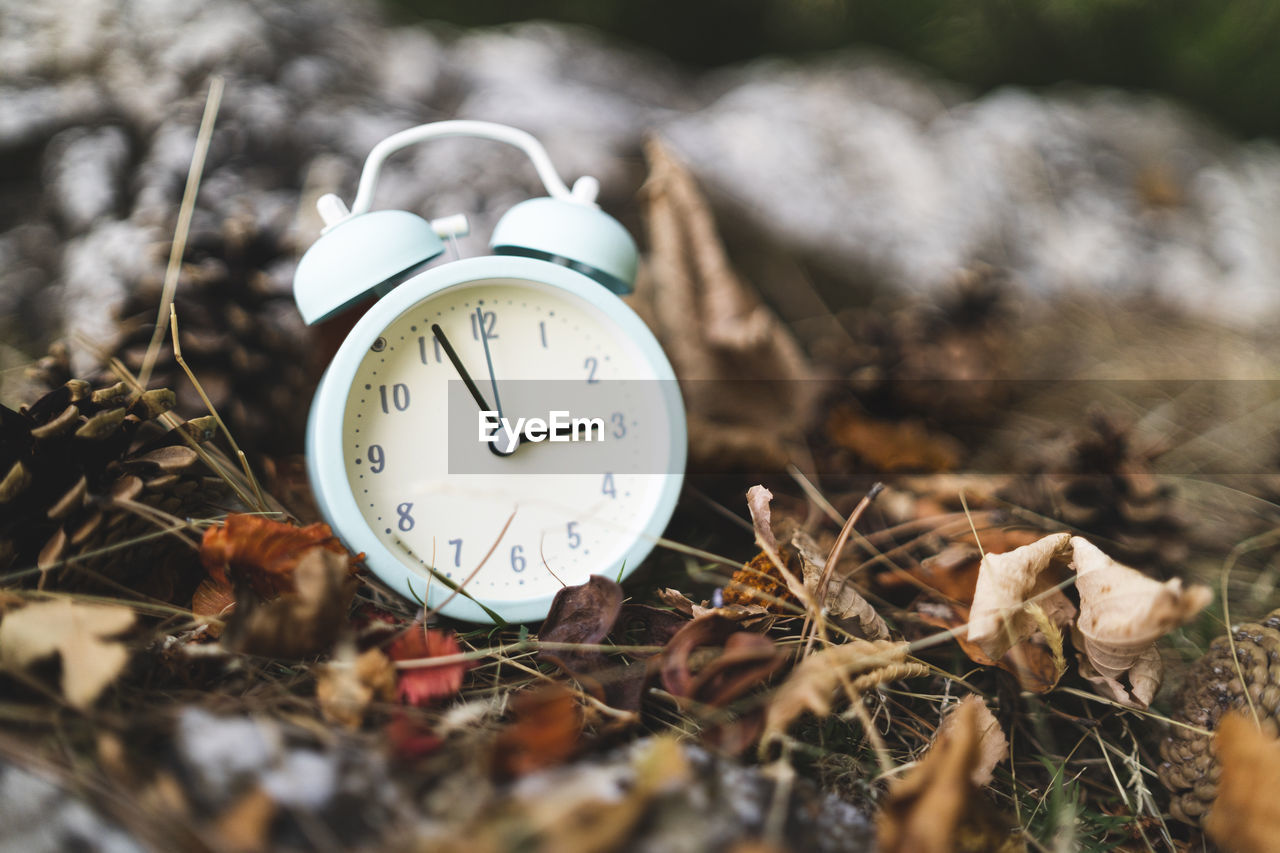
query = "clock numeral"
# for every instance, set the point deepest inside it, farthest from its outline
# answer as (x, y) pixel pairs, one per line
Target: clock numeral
(591, 364)
(619, 424)
(575, 538)
(517, 558)
(457, 552)
(399, 397)
(406, 520)
(490, 320)
(608, 488)
(377, 459)
(422, 348)
(542, 330)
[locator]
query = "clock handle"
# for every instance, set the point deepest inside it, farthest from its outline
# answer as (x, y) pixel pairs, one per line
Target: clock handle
(584, 189)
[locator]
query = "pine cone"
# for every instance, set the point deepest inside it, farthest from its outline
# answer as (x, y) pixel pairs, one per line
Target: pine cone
(74, 468)
(1097, 480)
(1190, 768)
(240, 334)
(943, 359)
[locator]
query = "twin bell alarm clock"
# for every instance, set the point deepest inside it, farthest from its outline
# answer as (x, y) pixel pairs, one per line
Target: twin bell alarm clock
(493, 428)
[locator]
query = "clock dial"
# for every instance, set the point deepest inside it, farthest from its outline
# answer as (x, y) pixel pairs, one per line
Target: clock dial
(548, 514)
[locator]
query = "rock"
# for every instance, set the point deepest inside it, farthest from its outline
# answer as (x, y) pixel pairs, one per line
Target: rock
(40, 816)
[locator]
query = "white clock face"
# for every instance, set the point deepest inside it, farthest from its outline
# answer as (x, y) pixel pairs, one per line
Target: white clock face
(510, 527)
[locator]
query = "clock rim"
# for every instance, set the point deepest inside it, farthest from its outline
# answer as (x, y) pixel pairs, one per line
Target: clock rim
(326, 462)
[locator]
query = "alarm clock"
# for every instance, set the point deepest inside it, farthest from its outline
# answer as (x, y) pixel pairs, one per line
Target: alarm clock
(493, 428)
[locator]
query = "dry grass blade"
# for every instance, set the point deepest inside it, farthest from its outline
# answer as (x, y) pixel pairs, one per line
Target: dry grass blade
(183, 228)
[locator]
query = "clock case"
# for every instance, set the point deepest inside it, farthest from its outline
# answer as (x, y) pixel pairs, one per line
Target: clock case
(562, 241)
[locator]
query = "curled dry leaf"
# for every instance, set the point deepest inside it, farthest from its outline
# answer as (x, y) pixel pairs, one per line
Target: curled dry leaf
(1122, 614)
(261, 551)
(842, 602)
(581, 615)
(302, 622)
(423, 680)
(78, 634)
(729, 351)
(936, 807)
(792, 573)
(545, 732)
(811, 686)
(993, 747)
(346, 685)
(283, 590)
(998, 620)
(758, 500)
(1244, 818)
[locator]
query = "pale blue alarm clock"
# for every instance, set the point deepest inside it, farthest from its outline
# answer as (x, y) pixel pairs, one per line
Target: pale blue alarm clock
(501, 425)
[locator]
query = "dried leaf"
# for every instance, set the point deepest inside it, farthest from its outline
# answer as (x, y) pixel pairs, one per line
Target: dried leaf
(301, 622)
(709, 629)
(889, 446)
(1030, 662)
(581, 615)
(746, 663)
(546, 730)
(813, 683)
(292, 585)
(745, 401)
(261, 551)
(936, 807)
(1122, 614)
(843, 602)
(245, 826)
(411, 737)
(993, 747)
(758, 500)
(421, 681)
(1244, 818)
(997, 619)
(213, 600)
(346, 685)
(77, 634)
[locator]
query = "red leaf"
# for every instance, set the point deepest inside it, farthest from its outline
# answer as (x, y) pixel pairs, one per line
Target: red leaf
(421, 685)
(410, 737)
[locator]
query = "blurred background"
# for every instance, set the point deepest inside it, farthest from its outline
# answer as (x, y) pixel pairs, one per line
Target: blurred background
(1218, 57)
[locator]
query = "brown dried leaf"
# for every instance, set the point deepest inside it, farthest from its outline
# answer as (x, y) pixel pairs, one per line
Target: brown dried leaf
(546, 730)
(302, 622)
(261, 551)
(843, 602)
(936, 807)
(993, 747)
(758, 500)
(1122, 614)
(1031, 661)
(1244, 818)
(581, 615)
(891, 446)
(716, 330)
(813, 683)
(346, 685)
(76, 633)
(997, 619)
